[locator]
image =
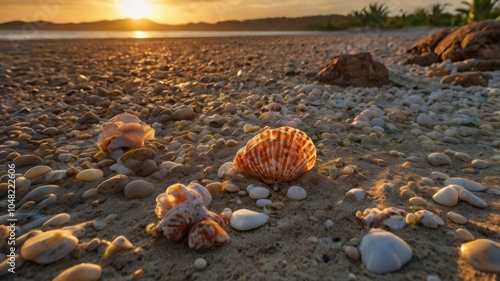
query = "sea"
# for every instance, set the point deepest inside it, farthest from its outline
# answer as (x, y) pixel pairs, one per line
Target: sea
(16, 35)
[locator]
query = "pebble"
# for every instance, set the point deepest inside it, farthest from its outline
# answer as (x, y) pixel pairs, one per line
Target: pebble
(456, 218)
(427, 181)
(229, 186)
(296, 193)
(80, 272)
(418, 201)
(348, 170)
(138, 189)
(58, 219)
(259, 193)
(200, 263)
(225, 169)
(261, 203)
(113, 185)
(358, 193)
(467, 184)
(352, 253)
(185, 113)
(438, 159)
(464, 157)
(425, 120)
(26, 160)
(49, 246)
(90, 175)
(37, 171)
(120, 243)
(446, 196)
(482, 254)
(439, 176)
(464, 235)
(244, 219)
(472, 199)
(480, 164)
(329, 223)
(433, 278)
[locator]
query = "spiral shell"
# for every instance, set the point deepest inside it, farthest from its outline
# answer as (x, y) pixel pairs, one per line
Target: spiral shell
(207, 234)
(276, 155)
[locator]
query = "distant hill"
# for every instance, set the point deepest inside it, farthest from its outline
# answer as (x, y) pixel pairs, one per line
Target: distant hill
(266, 24)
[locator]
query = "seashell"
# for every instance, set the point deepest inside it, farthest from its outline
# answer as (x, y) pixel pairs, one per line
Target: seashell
(352, 253)
(125, 118)
(26, 160)
(89, 175)
(207, 234)
(124, 135)
(382, 251)
(374, 217)
(244, 219)
(140, 154)
(120, 169)
(276, 155)
(80, 272)
(456, 218)
(296, 193)
(438, 159)
(120, 243)
(446, 196)
(138, 189)
(464, 235)
(482, 254)
(439, 176)
(58, 219)
(49, 246)
(259, 193)
(358, 193)
(467, 184)
(113, 185)
(37, 171)
(480, 164)
(472, 199)
(428, 219)
(200, 263)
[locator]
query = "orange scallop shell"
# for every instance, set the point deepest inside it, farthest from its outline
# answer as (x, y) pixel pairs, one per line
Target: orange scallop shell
(276, 155)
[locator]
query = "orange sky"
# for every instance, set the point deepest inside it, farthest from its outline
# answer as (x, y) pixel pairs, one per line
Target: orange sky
(183, 11)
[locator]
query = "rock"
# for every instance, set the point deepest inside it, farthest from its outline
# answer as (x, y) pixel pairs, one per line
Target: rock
(358, 70)
(88, 118)
(424, 59)
(185, 113)
(477, 65)
(425, 120)
(477, 40)
(438, 159)
(113, 185)
(446, 196)
(90, 175)
(26, 160)
(138, 189)
(296, 193)
(467, 79)
(244, 219)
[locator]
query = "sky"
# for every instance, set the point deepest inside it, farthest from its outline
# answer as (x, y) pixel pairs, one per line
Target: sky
(184, 11)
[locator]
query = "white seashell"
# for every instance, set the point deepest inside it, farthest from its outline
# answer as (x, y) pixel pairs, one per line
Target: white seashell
(261, 203)
(464, 235)
(456, 218)
(120, 242)
(446, 196)
(472, 199)
(49, 246)
(296, 193)
(244, 219)
(80, 272)
(439, 176)
(358, 193)
(58, 219)
(438, 159)
(463, 157)
(382, 252)
(480, 164)
(226, 169)
(467, 184)
(138, 189)
(482, 254)
(259, 193)
(90, 175)
(428, 219)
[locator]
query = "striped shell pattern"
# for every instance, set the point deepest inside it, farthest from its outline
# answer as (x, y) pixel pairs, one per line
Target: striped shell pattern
(182, 211)
(276, 155)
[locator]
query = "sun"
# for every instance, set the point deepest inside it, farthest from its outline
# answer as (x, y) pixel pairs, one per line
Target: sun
(135, 9)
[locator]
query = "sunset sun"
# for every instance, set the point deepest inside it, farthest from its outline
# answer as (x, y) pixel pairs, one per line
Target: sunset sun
(135, 9)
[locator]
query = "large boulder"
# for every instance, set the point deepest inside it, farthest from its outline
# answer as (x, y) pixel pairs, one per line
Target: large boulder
(478, 40)
(358, 70)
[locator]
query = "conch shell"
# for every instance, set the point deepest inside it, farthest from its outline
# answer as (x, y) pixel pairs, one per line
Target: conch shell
(182, 211)
(124, 131)
(276, 155)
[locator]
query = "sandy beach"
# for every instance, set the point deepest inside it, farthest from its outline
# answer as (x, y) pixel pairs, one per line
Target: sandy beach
(75, 86)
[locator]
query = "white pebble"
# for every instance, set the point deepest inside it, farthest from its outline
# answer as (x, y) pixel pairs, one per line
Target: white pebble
(296, 193)
(446, 196)
(329, 223)
(480, 164)
(200, 263)
(438, 159)
(464, 235)
(456, 218)
(244, 219)
(259, 193)
(261, 203)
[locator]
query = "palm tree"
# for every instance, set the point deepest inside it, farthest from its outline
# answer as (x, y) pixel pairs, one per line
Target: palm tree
(478, 10)
(375, 13)
(437, 12)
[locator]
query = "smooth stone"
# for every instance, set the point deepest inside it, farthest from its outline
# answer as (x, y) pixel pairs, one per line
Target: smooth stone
(58, 219)
(358, 193)
(456, 218)
(438, 159)
(244, 219)
(37, 171)
(261, 203)
(464, 157)
(439, 176)
(428, 219)
(200, 263)
(418, 201)
(49, 246)
(296, 193)
(482, 254)
(480, 164)
(185, 113)
(89, 193)
(113, 185)
(464, 235)
(26, 160)
(446, 196)
(427, 181)
(472, 199)
(90, 175)
(352, 253)
(425, 120)
(80, 272)
(230, 187)
(138, 189)
(121, 242)
(382, 252)
(467, 184)
(259, 193)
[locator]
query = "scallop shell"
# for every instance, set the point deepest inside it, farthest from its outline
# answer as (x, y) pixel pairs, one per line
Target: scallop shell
(276, 155)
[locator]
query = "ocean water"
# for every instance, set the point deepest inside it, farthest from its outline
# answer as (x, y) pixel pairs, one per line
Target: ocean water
(15, 35)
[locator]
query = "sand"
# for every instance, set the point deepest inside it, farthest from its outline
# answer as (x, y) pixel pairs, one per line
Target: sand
(53, 83)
